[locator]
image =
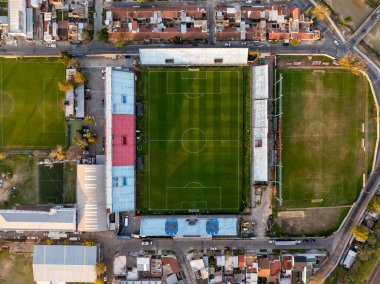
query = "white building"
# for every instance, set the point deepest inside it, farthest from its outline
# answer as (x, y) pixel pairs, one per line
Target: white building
(259, 105)
(91, 198)
(17, 14)
(55, 220)
(64, 264)
(194, 56)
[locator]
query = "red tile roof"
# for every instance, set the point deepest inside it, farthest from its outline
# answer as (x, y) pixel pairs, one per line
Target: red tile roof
(241, 261)
(123, 140)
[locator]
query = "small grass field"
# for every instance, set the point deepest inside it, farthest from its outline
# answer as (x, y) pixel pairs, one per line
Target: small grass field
(31, 106)
(16, 268)
(323, 115)
(192, 128)
(51, 184)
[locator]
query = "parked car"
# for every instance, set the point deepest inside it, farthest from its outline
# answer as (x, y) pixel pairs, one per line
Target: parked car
(32, 238)
(146, 243)
(336, 42)
(74, 239)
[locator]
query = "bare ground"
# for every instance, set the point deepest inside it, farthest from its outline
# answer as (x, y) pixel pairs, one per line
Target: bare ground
(261, 212)
(316, 220)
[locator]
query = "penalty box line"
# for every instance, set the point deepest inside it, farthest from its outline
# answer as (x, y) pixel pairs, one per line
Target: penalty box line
(168, 188)
(197, 93)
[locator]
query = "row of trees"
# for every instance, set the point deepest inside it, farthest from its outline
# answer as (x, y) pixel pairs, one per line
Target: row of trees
(321, 11)
(79, 78)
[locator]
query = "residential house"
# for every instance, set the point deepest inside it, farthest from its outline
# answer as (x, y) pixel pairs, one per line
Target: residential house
(260, 23)
(264, 268)
(274, 268)
(157, 23)
(299, 271)
(286, 268)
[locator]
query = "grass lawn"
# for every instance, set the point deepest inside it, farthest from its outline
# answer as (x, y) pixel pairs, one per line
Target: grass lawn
(31, 106)
(51, 184)
(16, 268)
(323, 113)
(70, 176)
(193, 149)
(23, 169)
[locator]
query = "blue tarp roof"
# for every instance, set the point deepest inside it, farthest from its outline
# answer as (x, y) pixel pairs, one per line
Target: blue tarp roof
(189, 226)
(123, 92)
(123, 188)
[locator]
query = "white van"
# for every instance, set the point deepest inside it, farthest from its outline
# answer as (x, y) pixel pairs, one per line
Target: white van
(126, 221)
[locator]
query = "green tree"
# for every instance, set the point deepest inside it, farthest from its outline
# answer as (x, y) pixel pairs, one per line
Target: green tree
(100, 267)
(89, 119)
(294, 42)
(64, 57)
(58, 153)
(320, 11)
(177, 40)
(374, 205)
(346, 20)
(3, 155)
(103, 35)
(360, 233)
(365, 253)
(79, 78)
(66, 86)
(120, 42)
(353, 63)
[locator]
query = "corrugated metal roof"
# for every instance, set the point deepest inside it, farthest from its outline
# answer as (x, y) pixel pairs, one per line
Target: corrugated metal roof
(123, 188)
(79, 109)
(61, 219)
(259, 139)
(194, 56)
(91, 198)
(123, 92)
(123, 140)
(61, 263)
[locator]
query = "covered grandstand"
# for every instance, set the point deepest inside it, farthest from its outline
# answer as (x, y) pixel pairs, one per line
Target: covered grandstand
(182, 226)
(259, 106)
(91, 198)
(194, 56)
(120, 139)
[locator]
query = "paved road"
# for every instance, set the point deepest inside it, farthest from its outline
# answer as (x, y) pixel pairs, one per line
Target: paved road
(375, 277)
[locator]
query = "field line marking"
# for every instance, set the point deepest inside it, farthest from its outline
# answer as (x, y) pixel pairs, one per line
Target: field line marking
(149, 139)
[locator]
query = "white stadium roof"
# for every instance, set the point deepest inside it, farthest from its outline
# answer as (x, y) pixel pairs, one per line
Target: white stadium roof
(91, 198)
(57, 219)
(194, 56)
(260, 122)
(64, 263)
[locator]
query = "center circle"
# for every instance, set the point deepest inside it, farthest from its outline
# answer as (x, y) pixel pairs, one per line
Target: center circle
(194, 140)
(194, 96)
(6, 104)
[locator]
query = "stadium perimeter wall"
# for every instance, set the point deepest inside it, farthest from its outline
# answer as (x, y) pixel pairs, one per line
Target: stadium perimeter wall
(194, 56)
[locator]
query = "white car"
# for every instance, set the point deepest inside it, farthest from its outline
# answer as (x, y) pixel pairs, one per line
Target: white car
(336, 42)
(227, 44)
(126, 221)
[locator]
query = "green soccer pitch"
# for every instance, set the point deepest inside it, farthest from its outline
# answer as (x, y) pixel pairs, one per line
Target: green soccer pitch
(193, 132)
(324, 115)
(31, 106)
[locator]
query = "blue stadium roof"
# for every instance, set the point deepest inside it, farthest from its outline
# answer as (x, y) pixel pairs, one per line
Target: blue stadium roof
(188, 226)
(123, 92)
(123, 188)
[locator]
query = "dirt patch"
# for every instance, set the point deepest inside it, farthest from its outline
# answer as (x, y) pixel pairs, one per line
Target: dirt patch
(291, 214)
(318, 221)
(261, 213)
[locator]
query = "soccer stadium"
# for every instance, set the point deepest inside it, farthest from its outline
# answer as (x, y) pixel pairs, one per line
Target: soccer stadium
(193, 127)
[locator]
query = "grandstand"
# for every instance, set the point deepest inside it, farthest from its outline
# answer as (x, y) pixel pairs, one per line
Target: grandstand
(120, 139)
